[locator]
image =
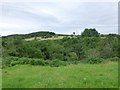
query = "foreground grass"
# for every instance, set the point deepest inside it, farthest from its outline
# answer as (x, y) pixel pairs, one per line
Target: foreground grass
(0, 73)
(71, 76)
(0, 79)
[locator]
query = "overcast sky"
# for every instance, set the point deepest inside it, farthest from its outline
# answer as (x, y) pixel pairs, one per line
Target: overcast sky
(59, 17)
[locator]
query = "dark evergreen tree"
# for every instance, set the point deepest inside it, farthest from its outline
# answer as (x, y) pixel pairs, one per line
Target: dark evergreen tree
(90, 33)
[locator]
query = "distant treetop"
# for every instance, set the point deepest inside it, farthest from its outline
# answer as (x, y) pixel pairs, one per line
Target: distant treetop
(90, 33)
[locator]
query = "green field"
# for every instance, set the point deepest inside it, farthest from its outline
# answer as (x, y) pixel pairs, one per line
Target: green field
(40, 38)
(82, 75)
(0, 79)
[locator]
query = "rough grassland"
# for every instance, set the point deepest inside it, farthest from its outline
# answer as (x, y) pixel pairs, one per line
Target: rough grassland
(39, 38)
(71, 76)
(0, 79)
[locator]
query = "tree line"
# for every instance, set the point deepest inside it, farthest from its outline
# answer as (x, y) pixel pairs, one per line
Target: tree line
(89, 45)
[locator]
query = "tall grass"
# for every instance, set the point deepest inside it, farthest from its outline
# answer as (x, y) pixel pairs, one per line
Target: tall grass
(82, 75)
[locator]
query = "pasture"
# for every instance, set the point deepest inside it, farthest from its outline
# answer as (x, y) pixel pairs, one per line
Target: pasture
(0, 78)
(82, 75)
(40, 38)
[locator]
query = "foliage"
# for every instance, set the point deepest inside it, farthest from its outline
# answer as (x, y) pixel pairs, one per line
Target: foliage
(72, 56)
(71, 49)
(90, 33)
(95, 60)
(92, 53)
(57, 63)
(37, 62)
(12, 61)
(114, 59)
(106, 51)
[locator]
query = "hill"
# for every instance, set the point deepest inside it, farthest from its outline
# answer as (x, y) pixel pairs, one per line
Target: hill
(44, 34)
(34, 34)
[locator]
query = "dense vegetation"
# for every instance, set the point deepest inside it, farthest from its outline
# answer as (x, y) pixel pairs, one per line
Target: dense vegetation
(89, 47)
(90, 33)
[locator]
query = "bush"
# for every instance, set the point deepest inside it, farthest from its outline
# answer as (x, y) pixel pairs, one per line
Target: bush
(47, 62)
(72, 56)
(24, 60)
(6, 61)
(39, 62)
(31, 61)
(57, 63)
(13, 63)
(114, 59)
(95, 60)
(73, 62)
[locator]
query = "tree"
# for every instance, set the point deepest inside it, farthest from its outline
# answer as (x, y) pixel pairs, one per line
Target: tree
(90, 33)
(73, 33)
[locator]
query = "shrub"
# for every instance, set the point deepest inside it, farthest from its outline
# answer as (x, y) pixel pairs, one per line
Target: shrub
(95, 60)
(93, 53)
(36, 62)
(6, 61)
(114, 59)
(39, 62)
(72, 56)
(31, 61)
(13, 63)
(57, 63)
(73, 62)
(47, 62)
(14, 58)
(23, 60)
(106, 52)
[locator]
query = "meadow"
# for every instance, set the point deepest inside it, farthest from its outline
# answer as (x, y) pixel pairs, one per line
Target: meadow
(0, 78)
(40, 38)
(81, 75)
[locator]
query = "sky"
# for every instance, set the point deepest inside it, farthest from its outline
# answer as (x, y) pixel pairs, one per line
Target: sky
(63, 17)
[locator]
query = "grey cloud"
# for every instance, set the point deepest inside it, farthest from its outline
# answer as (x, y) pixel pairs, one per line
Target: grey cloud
(61, 17)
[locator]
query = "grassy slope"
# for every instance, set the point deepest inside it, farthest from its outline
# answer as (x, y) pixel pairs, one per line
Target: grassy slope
(39, 38)
(72, 76)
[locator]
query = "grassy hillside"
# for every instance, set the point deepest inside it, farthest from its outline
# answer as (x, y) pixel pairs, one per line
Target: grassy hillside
(40, 38)
(71, 76)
